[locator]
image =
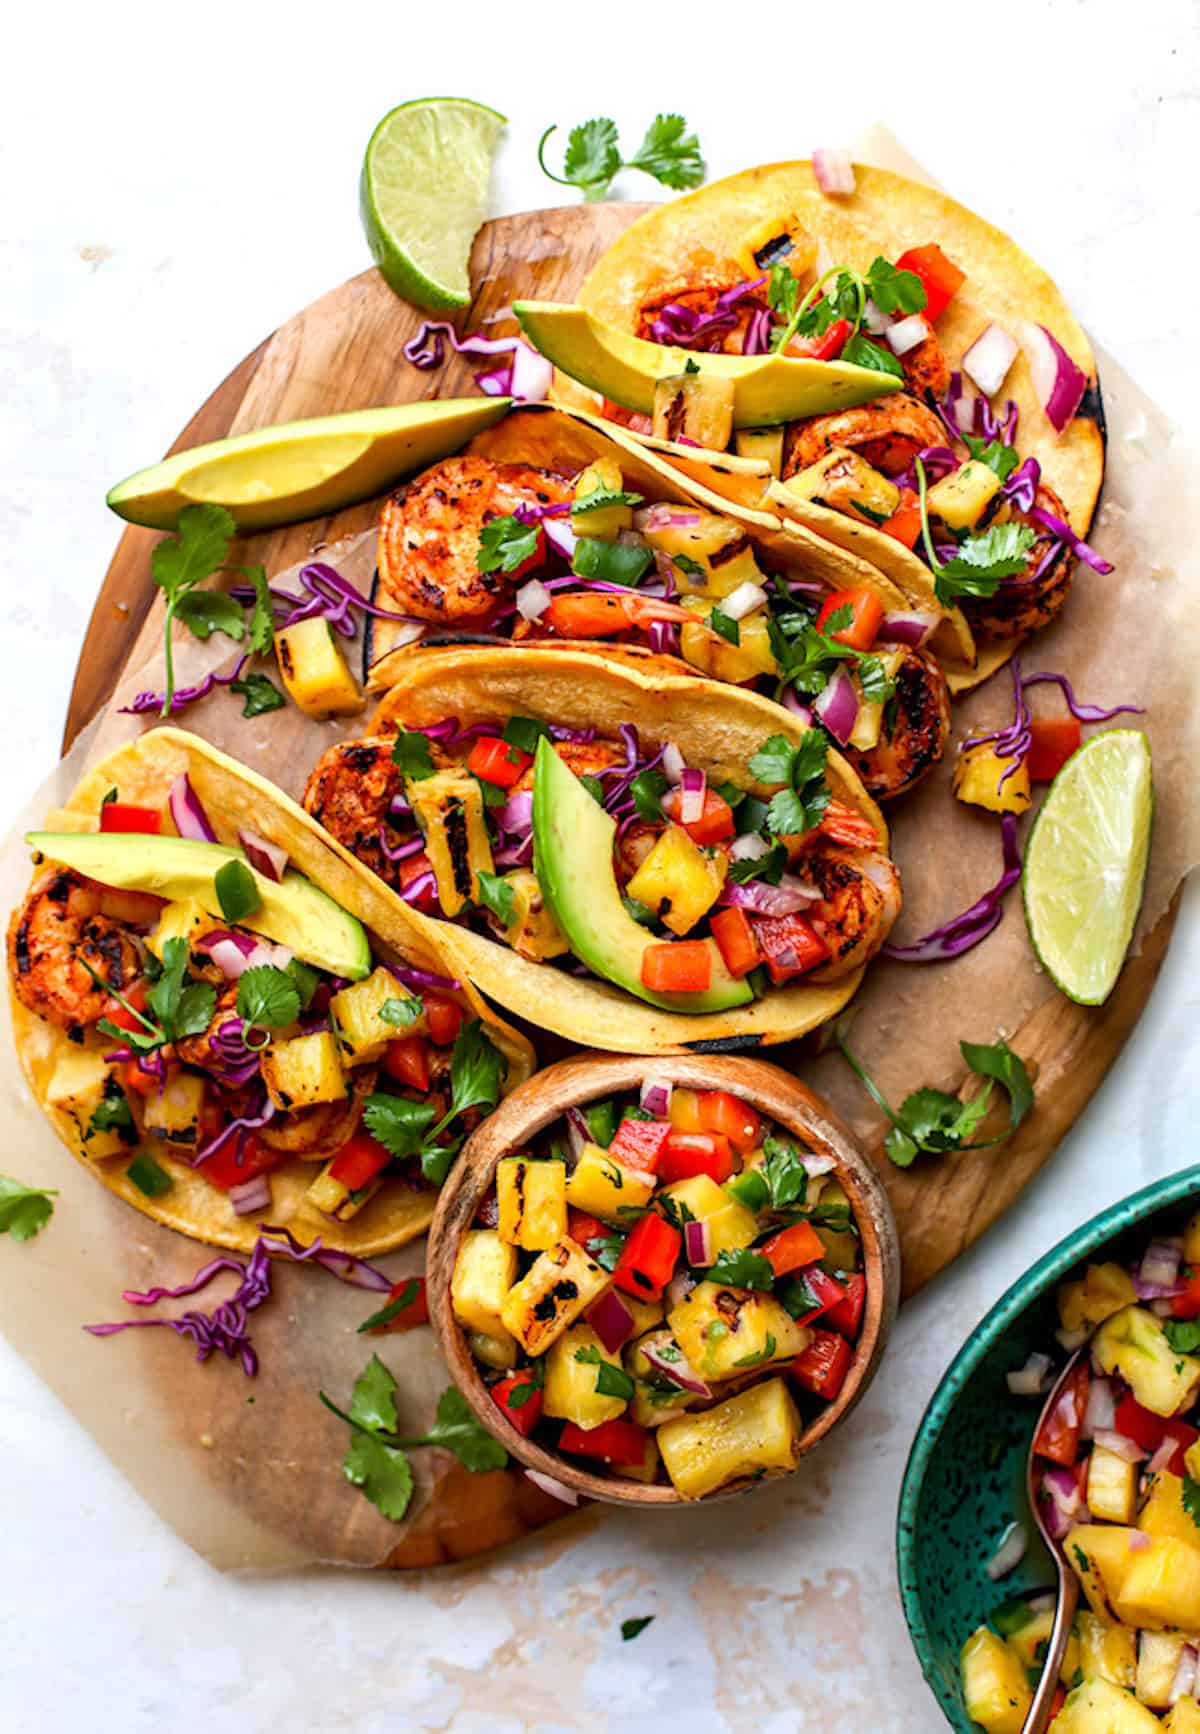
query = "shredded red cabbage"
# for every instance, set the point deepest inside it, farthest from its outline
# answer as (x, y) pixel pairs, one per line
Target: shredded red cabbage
(1020, 490)
(1063, 532)
(526, 377)
(1088, 713)
(401, 851)
(324, 592)
(244, 1123)
(412, 977)
(977, 417)
(680, 327)
(183, 695)
(1013, 740)
(237, 1058)
(420, 886)
(757, 340)
(967, 930)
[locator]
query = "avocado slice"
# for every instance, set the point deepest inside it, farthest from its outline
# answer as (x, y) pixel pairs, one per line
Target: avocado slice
(303, 469)
(572, 858)
(294, 912)
(768, 388)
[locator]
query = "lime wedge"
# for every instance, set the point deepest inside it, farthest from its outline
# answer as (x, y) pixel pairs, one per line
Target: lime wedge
(424, 193)
(1085, 863)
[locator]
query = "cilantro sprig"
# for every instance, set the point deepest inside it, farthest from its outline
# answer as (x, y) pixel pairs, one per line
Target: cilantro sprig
(505, 544)
(1183, 1335)
(1191, 1498)
(611, 1380)
(406, 1128)
(668, 152)
(981, 562)
(180, 1007)
(179, 564)
(807, 656)
(24, 1210)
(843, 293)
(741, 1267)
(798, 806)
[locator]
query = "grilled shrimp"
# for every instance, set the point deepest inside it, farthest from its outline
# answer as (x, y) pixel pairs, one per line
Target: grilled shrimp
(1031, 601)
(860, 900)
(429, 536)
(53, 936)
(198, 1050)
(927, 372)
(350, 792)
(887, 434)
(699, 291)
(913, 735)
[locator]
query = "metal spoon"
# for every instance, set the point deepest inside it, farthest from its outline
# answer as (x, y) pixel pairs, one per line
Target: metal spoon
(1068, 1584)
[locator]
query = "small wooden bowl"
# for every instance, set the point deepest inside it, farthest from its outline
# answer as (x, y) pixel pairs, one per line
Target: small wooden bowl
(533, 1107)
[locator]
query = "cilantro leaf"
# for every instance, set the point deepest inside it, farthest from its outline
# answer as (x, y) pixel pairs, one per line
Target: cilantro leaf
(768, 867)
(505, 543)
(997, 1060)
(182, 1007)
(983, 560)
(633, 1628)
(373, 1403)
(601, 497)
(994, 453)
(412, 754)
(476, 1069)
(759, 1355)
(934, 1121)
(178, 563)
(783, 293)
(863, 353)
(306, 979)
(524, 733)
(457, 1429)
(262, 616)
(798, 806)
(592, 157)
(724, 625)
(24, 1210)
(519, 1395)
(894, 291)
(648, 789)
(784, 1172)
(496, 893)
(402, 1013)
(237, 890)
(382, 1472)
(670, 153)
(741, 1268)
(1191, 1498)
(267, 997)
(606, 1249)
(204, 612)
(260, 693)
(399, 1125)
(611, 1381)
(1183, 1335)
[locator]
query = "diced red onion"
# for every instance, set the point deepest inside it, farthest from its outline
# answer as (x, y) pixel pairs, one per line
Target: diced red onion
(516, 815)
(815, 1166)
(1058, 382)
(1010, 1553)
(692, 786)
(656, 1095)
(697, 1244)
(611, 1320)
(906, 334)
(269, 859)
(1061, 1501)
(266, 952)
(1184, 1683)
(189, 817)
(561, 537)
(1160, 1265)
(837, 706)
(532, 375)
(399, 851)
(420, 886)
(834, 171)
(672, 764)
(1118, 1444)
(989, 358)
(910, 628)
(792, 701)
(229, 958)
(532, 599)
(786, 898)
(680, 1285)
(744, 600)
(661, 516)
(749, 847)
(875, 319)
(556, 1489)
(578, 1132)
(680, 1372)
(1031, 1379)
(1100, 1416)
(251, 1195)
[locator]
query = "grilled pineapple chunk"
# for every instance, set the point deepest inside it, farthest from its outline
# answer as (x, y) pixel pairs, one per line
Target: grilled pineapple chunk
(79, 1083)
(724, 1331)
(868, 724)
(1099, 1554)
(846, 483)
(304, 1070)
(552, 1294)
(314, 670)
(1184, 1717)
(1134, 1344)
(960, 500)
(357, 1016)
(333, 1198)
(1098, 1707)
(1102, 1291)
(719, 547)
(779, 240)
(1111, 1486)
(186, 918)
(730, 1224)
(761, 442)
(605, 523)
(713, 655)
(173, 1111)
(498, 1352)
(980, 780)
(1105, 1650)
(1028, 1643)
(1158, 1659)
(996, 1689)
(678, 880)
(533, 931)
(604, 1187)
(755, 1431)
(694, 406)
(484, 1272)
(1161, 1588)
(449, 810)
(533, 1202)
(569, 1392)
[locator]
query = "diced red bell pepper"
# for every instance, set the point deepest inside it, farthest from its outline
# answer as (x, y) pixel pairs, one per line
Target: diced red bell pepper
(407, 1061)
(1185, 1437)
(826, 1292)
(682, 967)
(1056, 1704)
(497, 761)
(124, 818)
(410, 1316)
(841, 824)
(826, 347)
(735, 939)
(117, 1014)
(823, 1366)
(1052, 741)
(866, 617)
(416, 867)
(444, 1018)
(904, 525)
(847, 1315)
(224, 1171)
(639, 1144)
(1187, 1304)
(619, 1442)
(790, 947)
(687, 1154)
(715, 823)
(941, 276)
(794, 1247)
(359, 1160)
(581, 1227)
(1141, 1425)
(528, 1412)
(1058, 1438)
(721, 1111)
(648, 1258)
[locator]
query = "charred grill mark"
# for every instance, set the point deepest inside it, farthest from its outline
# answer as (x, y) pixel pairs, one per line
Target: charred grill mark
(921, 716)
(553, 1301)
(456, 842)
(359, 758)
(21, 946)
(772, 251)
(59, 889)
(107, 945)
(731, 551)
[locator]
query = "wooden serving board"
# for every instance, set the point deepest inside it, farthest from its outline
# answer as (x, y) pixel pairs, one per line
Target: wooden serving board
(345, 352)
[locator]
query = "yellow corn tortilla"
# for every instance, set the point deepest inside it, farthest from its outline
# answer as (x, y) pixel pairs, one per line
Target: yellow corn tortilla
(234, 797)
(717, 728)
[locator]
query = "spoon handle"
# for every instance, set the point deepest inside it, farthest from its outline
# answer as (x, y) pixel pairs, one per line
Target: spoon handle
(1056, 1648)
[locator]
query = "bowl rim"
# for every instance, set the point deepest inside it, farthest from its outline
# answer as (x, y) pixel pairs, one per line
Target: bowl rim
(1050, 1268)
(527, 1112)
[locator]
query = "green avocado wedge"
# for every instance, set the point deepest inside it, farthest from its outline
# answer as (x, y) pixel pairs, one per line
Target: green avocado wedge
(303, 469)
(572, 858)
(294, 912)
(768, 389)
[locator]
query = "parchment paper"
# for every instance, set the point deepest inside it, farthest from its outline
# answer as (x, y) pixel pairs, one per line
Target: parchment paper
(248, 1471)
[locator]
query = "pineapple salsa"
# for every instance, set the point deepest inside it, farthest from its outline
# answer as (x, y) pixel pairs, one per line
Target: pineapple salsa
(1119, 1467)
(668, 1289)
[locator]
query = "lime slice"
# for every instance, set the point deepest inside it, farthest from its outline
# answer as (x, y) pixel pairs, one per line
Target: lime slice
(1085, 863)
(424, 193)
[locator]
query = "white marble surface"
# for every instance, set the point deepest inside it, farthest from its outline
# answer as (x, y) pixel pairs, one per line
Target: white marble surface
(177, 180)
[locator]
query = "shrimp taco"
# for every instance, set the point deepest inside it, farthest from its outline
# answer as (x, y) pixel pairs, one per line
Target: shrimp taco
(229, 1023)
(969, 479)
(555, 528)
(634, 858)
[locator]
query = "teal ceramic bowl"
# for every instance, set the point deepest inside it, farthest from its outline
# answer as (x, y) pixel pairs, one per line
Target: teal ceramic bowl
(965, 1478)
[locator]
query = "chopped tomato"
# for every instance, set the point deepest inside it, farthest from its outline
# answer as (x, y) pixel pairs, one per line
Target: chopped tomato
(790, 947)
(847, 1315)
(407, 1061)
(690, 1153)
(826, 1293)
(227, 1167)
(410, 1316)
(414, 868)
(722, 1112)
(1185, 1437)
(117, 1014)
(823, 1366)
(1052, 740)
(715, 823)
(1141, 1425)
(866, 616)
(904, 525)
(444, 1018)
(526, 1412)
(639, 1143)
(794, 1247)
(581, 1227)
(497, 761)
(124, 818)
(824, 348)
(941, 276)
(619, 1442)
(359, 1160)
(684, 967)
(1056, 1703)
(735, 939)
(1058, 1439)
(588, 614)
(647, 1261)
(841, 824)
(1187, 1304)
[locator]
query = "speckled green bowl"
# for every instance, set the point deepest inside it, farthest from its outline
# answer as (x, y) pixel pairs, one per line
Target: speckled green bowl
(965, 1478)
